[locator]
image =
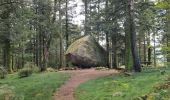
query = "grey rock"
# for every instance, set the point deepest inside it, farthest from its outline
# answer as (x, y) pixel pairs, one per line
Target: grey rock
(86, 52)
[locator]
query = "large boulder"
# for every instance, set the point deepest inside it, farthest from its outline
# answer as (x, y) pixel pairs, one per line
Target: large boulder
(86, 52)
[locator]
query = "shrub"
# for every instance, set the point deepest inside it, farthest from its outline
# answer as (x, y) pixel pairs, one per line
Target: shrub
(102, 68)
(3, 72)
(32, 66)
(7, 92)
(25, 72)
(51, 69)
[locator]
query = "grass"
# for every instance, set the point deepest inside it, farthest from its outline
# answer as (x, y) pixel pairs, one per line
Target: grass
(36, 87)
(121, 87)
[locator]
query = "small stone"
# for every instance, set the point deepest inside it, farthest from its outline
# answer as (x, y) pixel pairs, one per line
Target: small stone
(117, 94)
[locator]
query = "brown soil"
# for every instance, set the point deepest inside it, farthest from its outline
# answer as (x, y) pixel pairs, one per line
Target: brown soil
(66, 92)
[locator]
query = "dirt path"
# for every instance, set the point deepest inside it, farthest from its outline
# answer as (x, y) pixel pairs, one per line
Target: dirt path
(66, 91)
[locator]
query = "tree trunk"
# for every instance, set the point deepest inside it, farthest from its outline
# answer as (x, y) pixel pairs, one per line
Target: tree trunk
(86, 15)
(140, 44)
(110, 58)
(67, 37)
(107, 49)
(136, 60)
(61, 37)
(168, 38)
(7, 42)
(44, 60)
(7, 55)
(154, 51)
(149, 49)
(98, 18)
(40, 49)
(168, 52)
(144, 49)
(107, 37)
(114, 54)
(128, 54)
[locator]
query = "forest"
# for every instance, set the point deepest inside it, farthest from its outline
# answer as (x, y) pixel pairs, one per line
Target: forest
(67, 49)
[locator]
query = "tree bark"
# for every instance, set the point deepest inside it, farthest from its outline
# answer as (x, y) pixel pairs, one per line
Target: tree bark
(7, 42)
(136, 60)
(149, 49)
(144, 49)
(154, 51)
(128, 54)
(7, 55)
(114, 54)
(67, 35)
(61, 37)
(108, 51)
(86, 15)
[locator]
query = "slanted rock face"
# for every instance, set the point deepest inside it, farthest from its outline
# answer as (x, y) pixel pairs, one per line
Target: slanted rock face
(86, 52)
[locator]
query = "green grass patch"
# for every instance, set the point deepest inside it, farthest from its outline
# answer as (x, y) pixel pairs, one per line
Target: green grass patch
(121, 87)
(36, 87)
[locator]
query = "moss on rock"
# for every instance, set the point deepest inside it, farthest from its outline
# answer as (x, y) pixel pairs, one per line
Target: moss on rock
(86, 52)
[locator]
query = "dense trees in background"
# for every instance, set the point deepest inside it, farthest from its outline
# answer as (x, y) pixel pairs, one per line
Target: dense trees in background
(34, 31)
(164, 10)
(132, 30)
(134, 33)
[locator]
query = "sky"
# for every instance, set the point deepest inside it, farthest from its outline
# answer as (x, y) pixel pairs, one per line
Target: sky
(79, 18)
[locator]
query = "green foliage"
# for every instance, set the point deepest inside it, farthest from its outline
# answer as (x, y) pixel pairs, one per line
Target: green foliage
(7, 92)
(25, 72)
(165, 92)
(3, 72)
(50, 69)
(163, 4)
(28, 69)
(32, 66)
(36, 87)
(166, 52)
(121, 87)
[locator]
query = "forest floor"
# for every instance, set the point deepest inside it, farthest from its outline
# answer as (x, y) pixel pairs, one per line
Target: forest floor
(39, 86)
(66, 92)
(150, 84)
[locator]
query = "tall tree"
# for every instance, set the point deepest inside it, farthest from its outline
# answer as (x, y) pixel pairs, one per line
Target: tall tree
(130, 17)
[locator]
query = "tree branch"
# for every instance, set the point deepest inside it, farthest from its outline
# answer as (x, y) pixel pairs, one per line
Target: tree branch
(8, 3)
